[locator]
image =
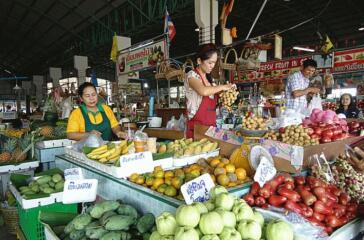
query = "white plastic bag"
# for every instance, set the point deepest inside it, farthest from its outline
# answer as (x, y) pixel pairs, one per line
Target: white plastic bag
(182, 122)
(315, 103)
(172, 124)
(91, 140)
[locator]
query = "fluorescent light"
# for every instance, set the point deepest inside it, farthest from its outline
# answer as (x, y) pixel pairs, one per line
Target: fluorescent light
(16, 87)
(145, 85)
(361, 28)
(197, 29)
(304, 49)
(7, 71)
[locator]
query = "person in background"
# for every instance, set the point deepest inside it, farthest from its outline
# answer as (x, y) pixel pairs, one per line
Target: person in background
(348, 108)
(297, 87)
(201, 93)
(92, 117)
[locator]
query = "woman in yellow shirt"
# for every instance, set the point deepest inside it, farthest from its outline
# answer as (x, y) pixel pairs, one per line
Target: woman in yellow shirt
(92, 117)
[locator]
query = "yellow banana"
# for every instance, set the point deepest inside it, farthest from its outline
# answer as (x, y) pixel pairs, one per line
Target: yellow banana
(113, 160)
(99, 150)
(108, 153)
(102, 160)
(95, 155)
(115, 154)
(123, 143)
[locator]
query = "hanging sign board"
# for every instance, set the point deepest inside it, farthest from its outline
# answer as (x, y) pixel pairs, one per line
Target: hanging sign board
(138, 58)
(349, 60)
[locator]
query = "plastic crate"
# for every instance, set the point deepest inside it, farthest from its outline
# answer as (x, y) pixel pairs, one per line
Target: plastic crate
(29, 222)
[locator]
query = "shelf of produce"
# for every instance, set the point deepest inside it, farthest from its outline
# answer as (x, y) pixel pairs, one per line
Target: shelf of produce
(130, 192)
(112, 188)
(164, 133)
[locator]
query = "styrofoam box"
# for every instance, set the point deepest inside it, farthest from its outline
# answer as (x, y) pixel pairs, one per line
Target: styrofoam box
(165, 163)
(22, 166)
(118, 172)
(48, 233)
(183, 161)
(55, 143)
(32, 203)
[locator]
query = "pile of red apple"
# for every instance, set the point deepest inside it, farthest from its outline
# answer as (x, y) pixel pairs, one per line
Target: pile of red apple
(329, 105)
(355, 127)
(321, 203)
(326, 133)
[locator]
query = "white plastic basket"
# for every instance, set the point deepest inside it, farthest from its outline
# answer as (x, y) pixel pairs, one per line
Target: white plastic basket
(55, 143)
(18, 167)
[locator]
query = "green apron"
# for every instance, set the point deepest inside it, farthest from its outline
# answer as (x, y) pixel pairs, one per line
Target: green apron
(104, 127)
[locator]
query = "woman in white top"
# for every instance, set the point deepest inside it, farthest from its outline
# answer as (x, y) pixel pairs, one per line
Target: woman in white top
(201, 93)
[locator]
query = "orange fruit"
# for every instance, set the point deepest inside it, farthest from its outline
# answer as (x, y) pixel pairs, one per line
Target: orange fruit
(157, 182)
(230, 168)
(213, 178)
(179, 172)
(196, 172)
(219, 170)
(223, 180)
(133, 177)
(225, 161)
(168, 174)
(149, 181)
(158, 168)
(168, 180)
(232, 184)
(240, 173)
(159, 174)
(177, 182)
(214, 162)
(140, 180)
(221, 165)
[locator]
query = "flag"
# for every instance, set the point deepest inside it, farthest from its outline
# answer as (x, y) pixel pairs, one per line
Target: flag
(327, 45)
(169, 26)
(226, 10)
(114, 48)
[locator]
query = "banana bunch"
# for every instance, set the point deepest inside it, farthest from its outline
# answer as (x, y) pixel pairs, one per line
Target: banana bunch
(109, 153)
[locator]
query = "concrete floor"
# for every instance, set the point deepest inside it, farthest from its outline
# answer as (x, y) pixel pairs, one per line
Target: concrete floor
(4, 235)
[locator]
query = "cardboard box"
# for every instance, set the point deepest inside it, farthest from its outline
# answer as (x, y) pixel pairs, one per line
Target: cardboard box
(293, 159)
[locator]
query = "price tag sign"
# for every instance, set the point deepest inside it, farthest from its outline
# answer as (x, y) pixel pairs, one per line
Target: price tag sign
(265, 171)
(136, 163)
(79, 190)
(73, 174)
(198, 189)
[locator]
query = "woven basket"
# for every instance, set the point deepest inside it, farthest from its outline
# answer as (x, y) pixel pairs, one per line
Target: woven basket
(229, 66)
(161, 71)
(174, 70)
(11, 218)
(248, 62)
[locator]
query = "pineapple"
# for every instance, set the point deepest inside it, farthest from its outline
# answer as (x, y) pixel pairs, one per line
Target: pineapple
(59, 132)
(46, 131)
(24, 143)
(8, 148)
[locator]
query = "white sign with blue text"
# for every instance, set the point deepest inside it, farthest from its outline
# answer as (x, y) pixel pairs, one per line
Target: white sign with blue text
(79, 190)
(265, 171)
(141, 162)
(198, 189)
(73, 174)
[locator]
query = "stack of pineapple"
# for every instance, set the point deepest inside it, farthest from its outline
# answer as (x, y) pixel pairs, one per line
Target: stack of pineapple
(52, 132)
(16, 149)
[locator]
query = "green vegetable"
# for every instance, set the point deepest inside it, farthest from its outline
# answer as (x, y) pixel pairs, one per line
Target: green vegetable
(119, 222)
(249, 229)
(52, 184)
(188, 216)
(125, 236)
(230, 234)
(210, 237)
(105, 216)
(186, 233)
(115, 235)
(77, 234)
(146, 236)
(242, 211)
(57, 177)
(127, 210)
(166, 224)
(145, 223)
(100, 208)
(258, 217)
(43, 179)
(279, 230)
(228, 218)
(211, 223)
(59, 186)
(81, 221)
(69, 228)
(216, 191)
(209, 204)
(224, 201)
(200, 206)
(48, 190)
(86, 150)
(24, 189)
(94, 230)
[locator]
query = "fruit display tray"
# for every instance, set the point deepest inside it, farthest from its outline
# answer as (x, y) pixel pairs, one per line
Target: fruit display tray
(19, 167)
(32, 203)
(55, 143)
(187, 160)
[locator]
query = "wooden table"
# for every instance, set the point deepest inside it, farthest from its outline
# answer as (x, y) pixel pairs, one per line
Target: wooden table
(164, 133)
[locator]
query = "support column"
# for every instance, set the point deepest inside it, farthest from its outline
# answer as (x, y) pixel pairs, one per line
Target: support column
(56, 75)
(206, 18)
(26, 85)
(38, 82)
(123, 42)
(80, 64)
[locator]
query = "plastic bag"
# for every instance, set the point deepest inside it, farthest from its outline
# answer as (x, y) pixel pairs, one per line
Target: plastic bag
(182, 122)
(91, 140)
(172, 124)
(290, 117)
(320, 168)
(315, 103)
